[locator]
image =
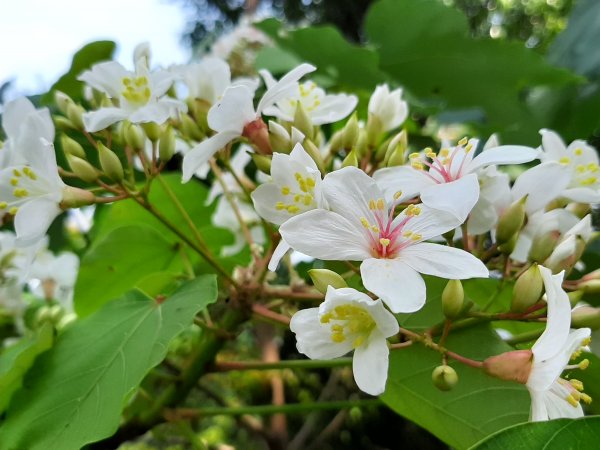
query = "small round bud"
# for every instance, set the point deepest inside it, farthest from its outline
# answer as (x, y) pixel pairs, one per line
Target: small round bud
(73, 197)
(508, 247)
(83, 169)
(361, 144)
(110, 163)
(302, 121)
(190, 128)
(75, 115)
(374, 128)
(351, 131)
(453, 298)
(527, 290)
(258, 134)
(134, 136)
(350, 160)
(63, 124)
(315, 154)
(263, 162)
(444, 377)
(71, 147)
(336, 141)
(511, 221)
(543, 245)
(153, 130)
(62, 101)
(590, 286)
(166, 145)
(322, 278)
(585, 317)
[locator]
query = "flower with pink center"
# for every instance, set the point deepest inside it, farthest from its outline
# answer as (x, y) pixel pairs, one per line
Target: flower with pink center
(441, 179)
(361, 225)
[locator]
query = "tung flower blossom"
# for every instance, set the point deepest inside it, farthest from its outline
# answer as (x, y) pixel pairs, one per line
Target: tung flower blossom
(234, 115)
(360, 226)
(450, 173)
(349, 320)
(387, 110)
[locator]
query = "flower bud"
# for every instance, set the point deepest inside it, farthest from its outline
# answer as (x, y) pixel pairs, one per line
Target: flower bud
(508, 247)
(166, 145)
(579, 209)
(585, 317)
(527, 290)
(350, 160)
(444, 377)
(263, 163)
(589, 286)
(110, 163)
(574, 297)
(279, 138)
(396, 150)
(73, 197)
(199, 109)
(511, 221)
(152, 130)
(258, 133)
(543, 245)
(190, 129)
(322, 278)
(315, 154)
(453, 298)
(302, 121)
(71, 147)
(510, 366)
(361, 145)
(83, 169)
(336, 141)
(62, 123)
(350, 131)
(374, 128)
(62, 101)
(566, 254)
(134, 136)
(75, 115)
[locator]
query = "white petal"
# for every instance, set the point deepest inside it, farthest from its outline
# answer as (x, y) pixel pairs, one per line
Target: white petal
(314, 338)
(553, 145)
(233, 111)
(278, 253)
(333, 108)
(157, 112)
(370, 364)
(397, 284)
(429, 223)
(325, 235)
(557, 405)
(299, 154)
(279, 90)
(103, 118)
(265, 199)
(538, 410)
(107, 77)
(582, 195)
(201, 153)
(33, 220)
(542, 184)
(505, 154)
(443, 262)
(402, 178)
(457, 197)
(15, 113)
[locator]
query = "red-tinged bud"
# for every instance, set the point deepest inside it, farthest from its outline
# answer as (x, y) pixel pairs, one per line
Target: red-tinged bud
(257, 132)
(510, 366)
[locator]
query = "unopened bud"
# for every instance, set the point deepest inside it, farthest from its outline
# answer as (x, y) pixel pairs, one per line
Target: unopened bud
(351, 131)
(73, 197)
(75, 115)
(444, 377)
(62, 123)
(263, 162)
(134, 136)
(166, 145)
(110, 163)
(71, 147)
(396, 150)
(350, 160)
(566, 254)
(511, 221)
(374, 128)
(579, 209)
(62, 101)
(527, 290)
(508, 247)
(585, 317)
(453, 298)
(361, 146)
(574, 297)
(336, 141)
(152, 130)
(190, 128)
(280, 142)
(589, 286)
(315, 154)
(322, 278)
(543, 245)
(199, 109)
(510, 366)
(83, 169)
(258, 134)
(302, 121)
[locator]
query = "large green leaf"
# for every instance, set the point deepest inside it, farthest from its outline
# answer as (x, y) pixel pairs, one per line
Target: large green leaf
(118, 261)
(15, 361)
(87, 56)
(477, 406)
(426, 47)
(75, 392)
(553, 435)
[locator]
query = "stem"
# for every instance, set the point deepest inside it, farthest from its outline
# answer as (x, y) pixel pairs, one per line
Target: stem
(489, 253)
(265, 312)
(291, 295)
(465, 237)
(273, 409)
(227, 366)
(111, 199)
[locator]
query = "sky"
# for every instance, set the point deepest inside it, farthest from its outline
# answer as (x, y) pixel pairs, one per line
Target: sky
(39, 37)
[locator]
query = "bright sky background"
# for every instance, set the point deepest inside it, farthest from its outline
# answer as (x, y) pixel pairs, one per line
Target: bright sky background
(39, 37)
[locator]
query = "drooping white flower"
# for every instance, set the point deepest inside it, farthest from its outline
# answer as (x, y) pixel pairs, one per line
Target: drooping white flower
(138, 96)
(451, 172)
(349, 320)
(294, 189)
(387, 108)
(582, 163)
(360, 226)
(234, 113)
(320, 107)
(553, 397)
(53, 277)
(570, 246)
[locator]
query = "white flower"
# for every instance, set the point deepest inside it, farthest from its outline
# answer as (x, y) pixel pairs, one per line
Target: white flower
(349, 320)
(494, 197)
(320, 107)
(138, 96)
(294, 189)
(361, 227)
(451, 173)
(291, 138)
(53, 277)
(233, 113)
(570, 246)
(553, 397)
(387, 108)
(583, 166)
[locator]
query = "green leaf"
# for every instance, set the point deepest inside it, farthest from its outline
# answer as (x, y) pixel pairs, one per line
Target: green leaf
(560, 434)
(16, 361)
(476, 407)
(85, 58)
(76, 391)
(118, 261)
(426, 47)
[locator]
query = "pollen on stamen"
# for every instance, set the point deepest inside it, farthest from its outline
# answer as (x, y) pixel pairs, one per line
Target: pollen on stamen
(3, 205)
(16, 173)
(365, 222)
(372, 204)
(385, 242)
(416, 237)
(14, 181)
(397, 195)
(463, 141)
(285, 190)
(578, 152)
(380, 204)
(13, 210)
(468, 148)
(564, 160)
(414, 155)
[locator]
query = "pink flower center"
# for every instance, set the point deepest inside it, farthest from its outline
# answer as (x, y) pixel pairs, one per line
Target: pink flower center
(444, 166)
